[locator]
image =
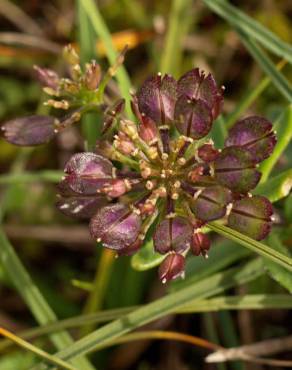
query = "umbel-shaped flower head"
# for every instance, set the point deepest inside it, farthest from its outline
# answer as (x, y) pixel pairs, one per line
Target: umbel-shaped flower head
(170, 175)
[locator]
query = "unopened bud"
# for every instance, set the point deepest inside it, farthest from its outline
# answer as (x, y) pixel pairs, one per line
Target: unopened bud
(92, 75)
(207, 153)
(200, 244)
(70, 55)
(196, 173)
(148, 130)
(172, 267)
(47, 77)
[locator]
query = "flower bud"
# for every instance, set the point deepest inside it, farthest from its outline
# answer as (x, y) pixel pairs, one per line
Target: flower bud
(70, 55)
(116, 226)
(172, 267)
(172, 234)
(92, 75)
(207, 153)
(200, 244)
(47, 77)
(148, 130)
(131, 249)
(29, 131)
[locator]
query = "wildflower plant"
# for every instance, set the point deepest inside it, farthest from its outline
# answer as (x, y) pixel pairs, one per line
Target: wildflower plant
(159, 176)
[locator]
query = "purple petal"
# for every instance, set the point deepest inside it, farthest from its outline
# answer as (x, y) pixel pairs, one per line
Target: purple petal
(172, 234)
(81, 206)
(193, 117)
(252, 217)
(171, 267)
(235, 169)
(88, 172)
(211, 203)
(254, 134)
(196, 85)
(116, 226)
(156, 98)
(29, 131)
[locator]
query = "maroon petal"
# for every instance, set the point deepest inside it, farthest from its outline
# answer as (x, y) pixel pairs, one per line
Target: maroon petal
(211, 203)
(81, 206)
(196, 85)
(252, 217)
(116, 226)
(156, 98)
(200, 244)
(29, 131)
(87, 172)
(235, 169)
(193, 117)
(254, 134)
(171, 267)
(172, 234)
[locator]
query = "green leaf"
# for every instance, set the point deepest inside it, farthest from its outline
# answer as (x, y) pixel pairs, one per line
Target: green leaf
(27, 177)
(32, 296)
(255, 246)
(284, 134)
(278, 273)
(252, 28)
(37, 351)
(146, 258)
(277, 187)
(267, 66)
(206, 288)
(179, 21)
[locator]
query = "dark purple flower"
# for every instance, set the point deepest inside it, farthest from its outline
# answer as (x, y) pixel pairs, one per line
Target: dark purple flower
(167, 178)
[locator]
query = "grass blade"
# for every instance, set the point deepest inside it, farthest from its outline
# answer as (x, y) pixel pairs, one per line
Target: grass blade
(284, 135)
(27, 177)
(249, 98)
(161, 307)
(37, 351)
(103, 33)
(267, 66)
(252, 28)
(177, 28)
(252, 244)
(32, 296)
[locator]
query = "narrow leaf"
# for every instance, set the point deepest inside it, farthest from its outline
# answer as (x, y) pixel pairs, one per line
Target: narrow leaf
(240, 20)
(253, 245)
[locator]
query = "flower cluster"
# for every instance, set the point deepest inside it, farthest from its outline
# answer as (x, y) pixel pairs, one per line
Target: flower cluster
(79, 93)
(161, 178)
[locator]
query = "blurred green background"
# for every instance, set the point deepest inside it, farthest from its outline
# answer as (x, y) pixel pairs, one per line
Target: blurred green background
(73, 275)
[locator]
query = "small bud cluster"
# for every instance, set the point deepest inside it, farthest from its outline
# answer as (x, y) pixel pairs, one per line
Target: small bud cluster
(81, 92)
(170, 175)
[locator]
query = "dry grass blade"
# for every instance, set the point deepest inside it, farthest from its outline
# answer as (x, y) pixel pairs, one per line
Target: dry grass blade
(38, 352)
(252, 352)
